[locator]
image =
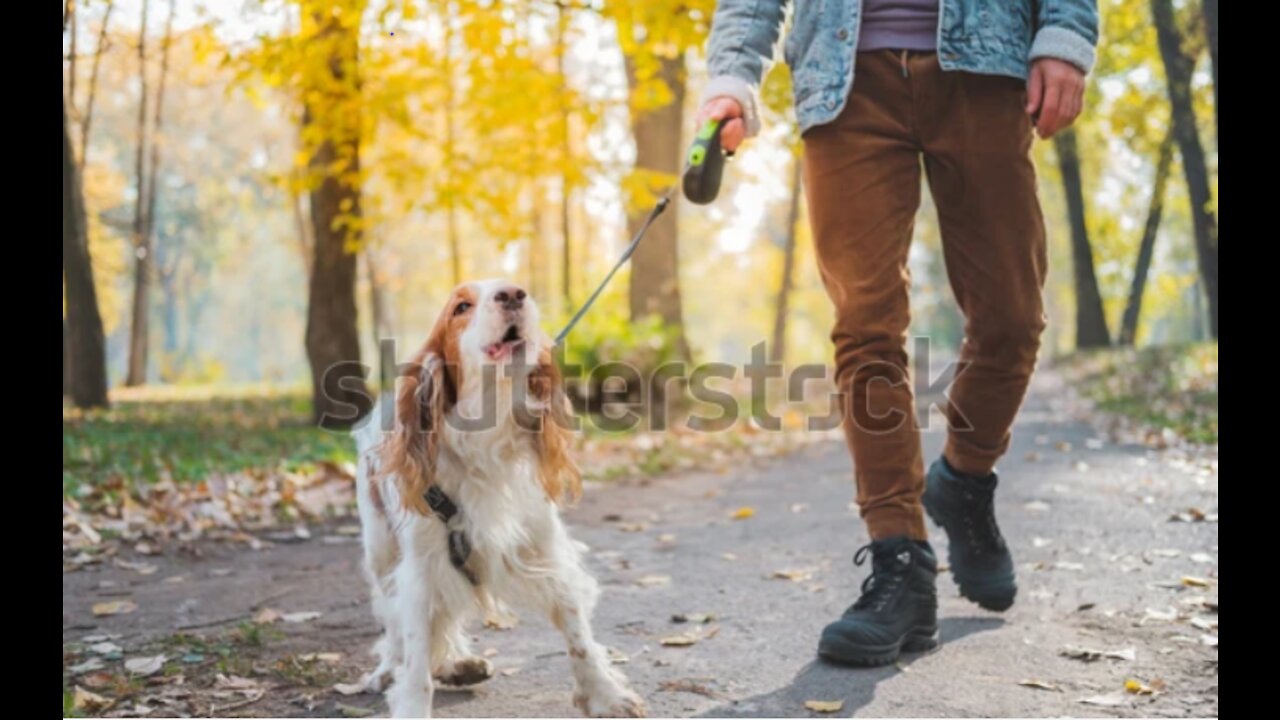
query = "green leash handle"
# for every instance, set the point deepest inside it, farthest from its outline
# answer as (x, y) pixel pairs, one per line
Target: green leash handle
(704, 166)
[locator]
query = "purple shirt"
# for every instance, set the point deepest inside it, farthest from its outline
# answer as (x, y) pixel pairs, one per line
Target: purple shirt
(899, 25)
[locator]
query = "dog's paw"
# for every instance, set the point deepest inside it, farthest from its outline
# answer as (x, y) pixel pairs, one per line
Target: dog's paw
(376, 680)
(465, 671)
(619, 702)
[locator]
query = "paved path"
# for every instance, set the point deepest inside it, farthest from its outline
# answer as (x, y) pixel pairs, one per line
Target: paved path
(1089, 528)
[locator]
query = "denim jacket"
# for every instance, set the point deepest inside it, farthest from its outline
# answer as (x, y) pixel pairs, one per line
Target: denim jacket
(994, 37)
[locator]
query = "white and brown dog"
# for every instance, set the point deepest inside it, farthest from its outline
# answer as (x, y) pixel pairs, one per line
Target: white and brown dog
(459, 505)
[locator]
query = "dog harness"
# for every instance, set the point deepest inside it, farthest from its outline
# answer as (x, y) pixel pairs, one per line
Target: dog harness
(459, 545)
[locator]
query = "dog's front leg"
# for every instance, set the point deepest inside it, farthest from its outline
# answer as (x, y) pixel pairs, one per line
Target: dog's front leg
(411, 694)
(602, 691)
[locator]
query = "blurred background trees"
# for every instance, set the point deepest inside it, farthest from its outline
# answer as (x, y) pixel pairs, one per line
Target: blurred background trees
(276, 185)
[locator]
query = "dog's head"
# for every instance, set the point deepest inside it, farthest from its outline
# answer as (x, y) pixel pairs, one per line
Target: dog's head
(487, 332)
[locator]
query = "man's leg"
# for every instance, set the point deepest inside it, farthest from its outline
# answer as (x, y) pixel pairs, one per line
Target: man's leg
(977, 142)
(862, 180)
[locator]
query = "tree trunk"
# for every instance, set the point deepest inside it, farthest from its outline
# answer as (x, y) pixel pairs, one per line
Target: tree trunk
(1211, 29)
(1132, 310)
(381, 321)
(566, 260)
(93, 85)
(84, 342)
(339, 394)
(1091, 320)
(1178, 68)
(655, 266)
(137, 374)
(153, 183)
(778, 352)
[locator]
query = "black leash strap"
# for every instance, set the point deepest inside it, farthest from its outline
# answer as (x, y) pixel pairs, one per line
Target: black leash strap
(626, 255)
(459, 545)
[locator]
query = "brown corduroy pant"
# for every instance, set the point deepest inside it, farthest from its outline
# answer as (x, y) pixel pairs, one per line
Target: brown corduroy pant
(862, 180)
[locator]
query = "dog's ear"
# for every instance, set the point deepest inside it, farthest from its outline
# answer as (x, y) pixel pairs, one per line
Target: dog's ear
(557, 472)
(413, 448)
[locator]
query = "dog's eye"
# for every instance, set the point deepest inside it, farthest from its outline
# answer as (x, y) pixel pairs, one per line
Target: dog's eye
(461, 308)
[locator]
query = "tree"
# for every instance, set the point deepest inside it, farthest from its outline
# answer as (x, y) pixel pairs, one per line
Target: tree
(1146, 249)
(778, 351)
(655, 266)
(1091, 320)
(1178, 66)
(1211, 30)
(83, 338)
(87, 118)
(331, 120)
(137, 373)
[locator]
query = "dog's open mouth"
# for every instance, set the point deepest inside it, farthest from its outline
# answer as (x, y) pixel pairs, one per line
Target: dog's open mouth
(506, 346)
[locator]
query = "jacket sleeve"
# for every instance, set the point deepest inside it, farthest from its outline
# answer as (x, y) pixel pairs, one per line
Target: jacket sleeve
(1066, 30)
(743, 35)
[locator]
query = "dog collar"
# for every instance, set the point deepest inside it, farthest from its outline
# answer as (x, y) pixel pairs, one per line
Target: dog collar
(459, 545)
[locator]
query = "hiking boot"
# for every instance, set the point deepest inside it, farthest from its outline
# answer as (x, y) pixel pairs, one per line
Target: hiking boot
(898, 609)
(964, 506)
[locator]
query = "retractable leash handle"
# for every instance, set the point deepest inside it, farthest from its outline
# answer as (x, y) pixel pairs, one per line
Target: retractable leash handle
(705, 165)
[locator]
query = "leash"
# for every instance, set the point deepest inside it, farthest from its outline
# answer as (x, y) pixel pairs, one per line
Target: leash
(702, 172)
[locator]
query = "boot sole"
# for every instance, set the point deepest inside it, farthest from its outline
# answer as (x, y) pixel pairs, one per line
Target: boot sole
(847, 653)
(978, 593)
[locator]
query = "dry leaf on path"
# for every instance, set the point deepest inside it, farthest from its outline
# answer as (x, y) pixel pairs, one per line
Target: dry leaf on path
(743, 513)
(266, 616)
(85, 700)
(1110, 700)
(115, 607)
(653, 580)
(301, 617)
(681, 640)
(144, 666)
(824, 706)
(349, 688)
(1039, 685)
(794, 575)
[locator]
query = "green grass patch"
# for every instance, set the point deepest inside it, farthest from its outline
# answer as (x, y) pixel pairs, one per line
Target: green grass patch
(1173, 387)
(185, 435)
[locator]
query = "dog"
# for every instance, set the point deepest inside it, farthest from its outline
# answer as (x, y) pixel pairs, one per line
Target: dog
(478, 418)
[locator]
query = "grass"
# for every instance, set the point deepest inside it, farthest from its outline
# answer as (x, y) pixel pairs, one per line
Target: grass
(185, 435)
(1173, 387)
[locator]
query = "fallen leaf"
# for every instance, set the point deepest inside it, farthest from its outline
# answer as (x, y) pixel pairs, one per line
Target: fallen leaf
(1201, 622)
(681, 640)
(329, 657)
(115, 607)
(98, 680)
(301, 617)
(1137, 687)
(1063, 446)
(1040, 685)
(728, 556)
(653, 580)
(1065, 565)
(87, 666)
(686, 685)
(824, 706)
(743, 513)
(144, 666)
(1111, 700)
(1036, 506)
(1192, 581)
(352, 711)
(799, 507)
(104, 648)
(349, 688)
(1089, 654)
(666, 538)
(633, 527)
(797, 575)
(234, 682)
(696, 618)
(85, 700)
(267, 616)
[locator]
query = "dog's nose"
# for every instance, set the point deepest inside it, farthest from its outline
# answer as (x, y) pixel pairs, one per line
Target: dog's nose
(510, 298)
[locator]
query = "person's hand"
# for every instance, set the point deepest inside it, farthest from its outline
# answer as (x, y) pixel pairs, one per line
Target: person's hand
(1055, 95)
(728, 110)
